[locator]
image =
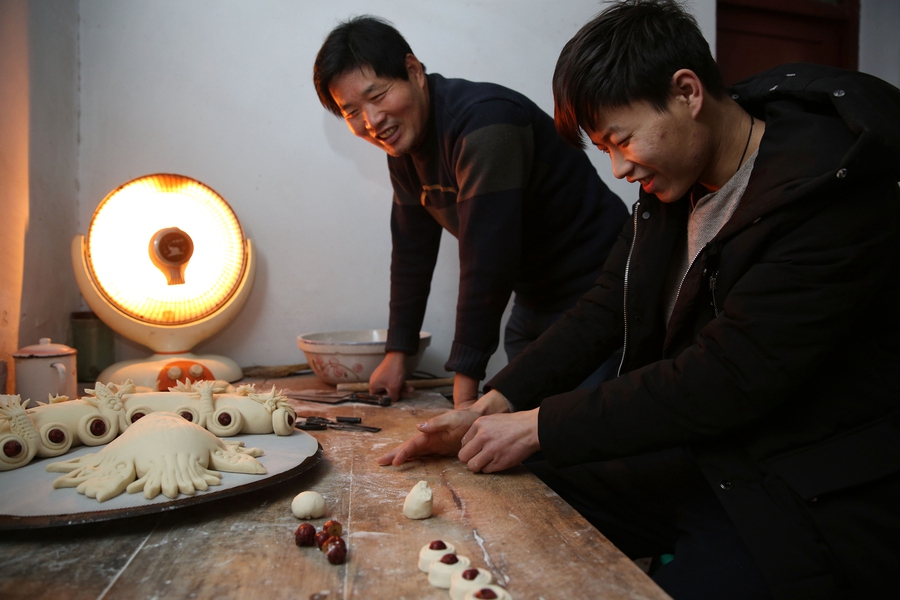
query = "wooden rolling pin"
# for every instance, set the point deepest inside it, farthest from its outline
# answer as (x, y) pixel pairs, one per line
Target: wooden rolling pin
(416, 384)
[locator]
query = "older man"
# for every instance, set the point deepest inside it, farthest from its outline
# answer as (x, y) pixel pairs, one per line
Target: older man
(486, 164)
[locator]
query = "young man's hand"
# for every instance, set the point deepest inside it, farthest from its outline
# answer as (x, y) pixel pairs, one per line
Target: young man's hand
(439, 436)
(497, 442)
(390, 377)
(442, 435)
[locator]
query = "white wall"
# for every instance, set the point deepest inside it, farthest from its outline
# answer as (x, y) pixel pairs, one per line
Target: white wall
(49, 292)
(13, 172)
(879, 44)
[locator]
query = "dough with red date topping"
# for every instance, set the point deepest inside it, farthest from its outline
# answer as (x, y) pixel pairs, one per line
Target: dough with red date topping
(428, 554)
(442, 569)
(460, 584)
(478, 594)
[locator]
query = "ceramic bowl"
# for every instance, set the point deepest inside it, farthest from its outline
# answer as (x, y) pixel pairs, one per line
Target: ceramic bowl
(351, 356)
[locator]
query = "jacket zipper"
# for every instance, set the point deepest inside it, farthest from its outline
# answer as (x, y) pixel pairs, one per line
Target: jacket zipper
(637, 207)
(683, 277)
(712, 290)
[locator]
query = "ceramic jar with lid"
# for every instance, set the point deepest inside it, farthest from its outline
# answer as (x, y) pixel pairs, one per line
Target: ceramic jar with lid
(46, 369)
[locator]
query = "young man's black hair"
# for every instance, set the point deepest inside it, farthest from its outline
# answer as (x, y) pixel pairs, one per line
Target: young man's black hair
(363, 41)
(628, 54)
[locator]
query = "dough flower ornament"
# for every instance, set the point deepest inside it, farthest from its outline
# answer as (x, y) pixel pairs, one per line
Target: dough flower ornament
(161, 452)
(272, 400)
(283, 415)
(108, 400)
(183, 386)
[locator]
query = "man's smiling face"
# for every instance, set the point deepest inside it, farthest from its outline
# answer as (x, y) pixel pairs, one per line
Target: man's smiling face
(661, 150)
(390, 113)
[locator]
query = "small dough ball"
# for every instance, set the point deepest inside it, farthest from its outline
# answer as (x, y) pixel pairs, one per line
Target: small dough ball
(418, 502)
(308, 505)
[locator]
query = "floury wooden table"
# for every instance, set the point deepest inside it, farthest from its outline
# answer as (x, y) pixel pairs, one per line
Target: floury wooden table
(535, 545)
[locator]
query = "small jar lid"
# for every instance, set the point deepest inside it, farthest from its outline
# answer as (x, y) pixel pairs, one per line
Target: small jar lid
(44, 348)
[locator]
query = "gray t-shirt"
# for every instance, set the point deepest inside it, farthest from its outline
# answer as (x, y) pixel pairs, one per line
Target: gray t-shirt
(708, 216)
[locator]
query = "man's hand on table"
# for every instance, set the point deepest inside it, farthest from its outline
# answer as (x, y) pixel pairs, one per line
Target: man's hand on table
(497, 442)
(442, 435)
(390, 377)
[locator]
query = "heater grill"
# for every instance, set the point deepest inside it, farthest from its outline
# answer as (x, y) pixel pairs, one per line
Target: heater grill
(120, 249)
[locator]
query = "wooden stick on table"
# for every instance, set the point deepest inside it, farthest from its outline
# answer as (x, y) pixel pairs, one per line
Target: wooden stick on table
(416, 384)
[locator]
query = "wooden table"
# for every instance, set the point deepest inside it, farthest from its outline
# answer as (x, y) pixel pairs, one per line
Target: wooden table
(534, 543)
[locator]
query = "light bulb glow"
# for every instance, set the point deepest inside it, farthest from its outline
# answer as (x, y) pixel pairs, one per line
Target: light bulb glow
(119, 259)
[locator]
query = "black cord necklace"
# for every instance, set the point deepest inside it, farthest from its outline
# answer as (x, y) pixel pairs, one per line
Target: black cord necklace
(743, 154)
(747, 145)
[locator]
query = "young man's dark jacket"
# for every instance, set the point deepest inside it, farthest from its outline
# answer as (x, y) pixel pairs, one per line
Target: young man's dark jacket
(780, 366)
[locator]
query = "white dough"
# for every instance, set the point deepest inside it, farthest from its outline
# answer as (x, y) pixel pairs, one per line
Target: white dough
(459, 586)
(439, 573)
(162, 452)
(427, 555)
(499, 591)
(418, 502)
(308, 505)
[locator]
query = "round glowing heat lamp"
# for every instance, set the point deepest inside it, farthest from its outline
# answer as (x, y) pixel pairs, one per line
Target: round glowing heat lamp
(165, 264)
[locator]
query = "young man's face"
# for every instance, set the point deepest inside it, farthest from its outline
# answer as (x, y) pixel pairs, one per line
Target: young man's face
(390, 113)
(665, 151)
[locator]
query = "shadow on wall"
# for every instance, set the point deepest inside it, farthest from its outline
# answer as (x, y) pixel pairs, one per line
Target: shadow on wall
(370, 161)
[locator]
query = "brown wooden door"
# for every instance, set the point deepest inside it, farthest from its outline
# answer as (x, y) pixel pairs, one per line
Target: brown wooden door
(754, 35)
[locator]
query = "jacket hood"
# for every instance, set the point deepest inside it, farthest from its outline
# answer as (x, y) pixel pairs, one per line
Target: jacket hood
(868, 107)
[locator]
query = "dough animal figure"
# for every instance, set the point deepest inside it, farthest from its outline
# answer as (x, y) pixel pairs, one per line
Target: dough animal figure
(52, 429)
(162, 452)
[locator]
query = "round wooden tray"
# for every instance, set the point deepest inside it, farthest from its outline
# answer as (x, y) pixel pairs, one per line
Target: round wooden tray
(64, 517)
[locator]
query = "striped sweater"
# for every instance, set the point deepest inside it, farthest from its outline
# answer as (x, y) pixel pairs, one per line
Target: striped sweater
(530, 213)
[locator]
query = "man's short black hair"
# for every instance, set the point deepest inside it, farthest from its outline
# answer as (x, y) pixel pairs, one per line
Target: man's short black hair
(363, 41)
(627, 54)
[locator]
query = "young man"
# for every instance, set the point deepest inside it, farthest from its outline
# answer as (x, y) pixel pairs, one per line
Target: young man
(753, 430)
(486, 164)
